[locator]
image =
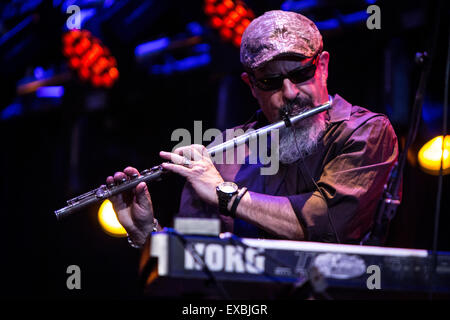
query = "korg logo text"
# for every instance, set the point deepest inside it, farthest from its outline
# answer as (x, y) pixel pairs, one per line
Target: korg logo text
(226, 258)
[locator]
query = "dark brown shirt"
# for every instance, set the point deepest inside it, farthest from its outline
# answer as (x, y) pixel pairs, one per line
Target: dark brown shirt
(350, 165)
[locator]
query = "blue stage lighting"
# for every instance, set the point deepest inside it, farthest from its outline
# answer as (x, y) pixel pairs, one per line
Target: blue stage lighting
(151, 47)
(298, 5)
(327, 24)
(50, 92)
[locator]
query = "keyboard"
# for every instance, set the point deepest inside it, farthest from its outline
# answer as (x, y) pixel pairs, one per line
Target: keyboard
(228, 266)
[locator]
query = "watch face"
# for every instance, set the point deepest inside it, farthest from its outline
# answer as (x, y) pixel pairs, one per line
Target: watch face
(228, 187)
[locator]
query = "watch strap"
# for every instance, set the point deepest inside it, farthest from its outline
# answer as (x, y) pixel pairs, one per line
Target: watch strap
(223, 203)
(236, 201)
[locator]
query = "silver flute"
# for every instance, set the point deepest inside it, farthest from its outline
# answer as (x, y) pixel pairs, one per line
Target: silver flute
(154, 174)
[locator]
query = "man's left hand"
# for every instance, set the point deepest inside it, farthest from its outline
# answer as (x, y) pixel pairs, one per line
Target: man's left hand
(194, 163)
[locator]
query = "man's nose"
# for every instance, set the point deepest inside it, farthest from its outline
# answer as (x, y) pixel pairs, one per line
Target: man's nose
(290, 90)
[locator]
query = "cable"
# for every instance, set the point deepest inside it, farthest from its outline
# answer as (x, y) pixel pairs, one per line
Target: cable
(198, 258)
(235, 240)
(324, 199)
(441, 168)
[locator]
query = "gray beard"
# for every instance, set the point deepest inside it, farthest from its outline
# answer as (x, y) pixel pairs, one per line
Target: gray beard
(301, 140)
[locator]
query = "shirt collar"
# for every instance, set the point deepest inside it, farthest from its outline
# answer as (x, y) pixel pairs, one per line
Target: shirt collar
(340, 109)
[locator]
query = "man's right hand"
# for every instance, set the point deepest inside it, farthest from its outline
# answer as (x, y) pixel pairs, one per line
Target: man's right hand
(134, 208)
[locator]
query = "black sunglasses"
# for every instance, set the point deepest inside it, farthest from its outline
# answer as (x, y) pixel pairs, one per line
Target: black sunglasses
(296, 76)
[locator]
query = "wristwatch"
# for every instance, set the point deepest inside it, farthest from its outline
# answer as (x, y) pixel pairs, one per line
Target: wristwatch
(226, 191)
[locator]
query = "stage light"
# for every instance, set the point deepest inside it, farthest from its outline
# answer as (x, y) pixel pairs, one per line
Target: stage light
(90, 58)
(221, 9)
(39, 73)
(216, 22)
(113, 73)
(96, 80)
(329, 24)
(11, 111)
(299, 5)
(234, 16)
(226, 33)
(229, 17)
(195, 28)
(237, 41)
(100, 65)
(229, 23)
(430, 156)
(182, 65)
(229, 4)
(245, 23)
(241, 10)
(82, 45)
(239, 29)
(108, 220)
(50, 92)
(210, 9)
(84, 73)
(75, 62)
(355, 17)
(151, 47)
(107, 80)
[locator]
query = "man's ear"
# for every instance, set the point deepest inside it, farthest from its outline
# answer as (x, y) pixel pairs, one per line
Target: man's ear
(323, 66)
(246, 78)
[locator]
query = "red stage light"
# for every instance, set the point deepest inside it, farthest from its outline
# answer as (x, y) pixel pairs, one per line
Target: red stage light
(68, 39)
(245, 22)
(97, 80)
(216, 22)
(93, 54)
(229, 4)
(90, 58)
(68, 51)
(229, 23)
(237, 40)
(240, 10)
(210, 9)
(112, 61)
(82, 46)
(234, 16)
(113, 73)
(221, 9)
(100, 65)
(228, 16)
(84, 73)
(74, 62)
(107, 80)
(226, 33)
(239, 29)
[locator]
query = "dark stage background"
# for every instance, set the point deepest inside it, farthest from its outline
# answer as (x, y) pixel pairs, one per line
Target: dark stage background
(55, 148)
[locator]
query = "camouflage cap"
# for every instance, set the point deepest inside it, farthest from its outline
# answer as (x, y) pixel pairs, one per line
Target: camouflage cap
(278, 33)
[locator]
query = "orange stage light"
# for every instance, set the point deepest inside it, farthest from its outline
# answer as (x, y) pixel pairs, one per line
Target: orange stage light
(431, 155)
(108, 220)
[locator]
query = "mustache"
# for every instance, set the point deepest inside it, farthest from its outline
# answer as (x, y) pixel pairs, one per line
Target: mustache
(295, 106)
